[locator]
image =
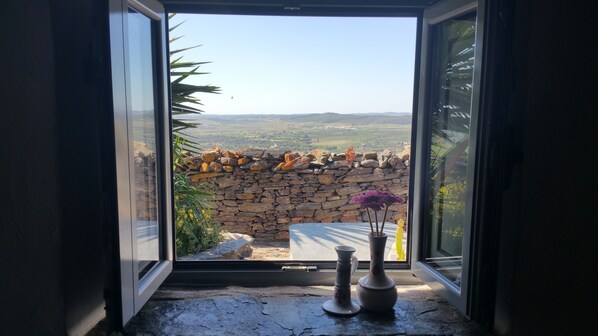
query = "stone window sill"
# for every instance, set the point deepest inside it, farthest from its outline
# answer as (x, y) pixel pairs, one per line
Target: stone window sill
(291, 310)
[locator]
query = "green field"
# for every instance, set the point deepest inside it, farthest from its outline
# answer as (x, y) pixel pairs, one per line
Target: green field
(305, 133)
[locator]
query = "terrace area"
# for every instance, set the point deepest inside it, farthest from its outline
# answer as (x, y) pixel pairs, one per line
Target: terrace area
(308, 241)
(280, 205)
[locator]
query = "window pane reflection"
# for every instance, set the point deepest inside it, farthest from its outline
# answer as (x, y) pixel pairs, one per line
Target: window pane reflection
(450, 113)
(143, 112)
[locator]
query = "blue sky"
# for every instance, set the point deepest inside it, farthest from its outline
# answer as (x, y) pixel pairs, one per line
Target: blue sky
(275, 65)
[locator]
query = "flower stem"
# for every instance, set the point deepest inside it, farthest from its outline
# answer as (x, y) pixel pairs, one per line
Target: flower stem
(384, 219)
(370, 217)
(376, 216)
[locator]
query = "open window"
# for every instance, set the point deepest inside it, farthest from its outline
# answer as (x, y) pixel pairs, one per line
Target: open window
(328, 86)
(442, 188)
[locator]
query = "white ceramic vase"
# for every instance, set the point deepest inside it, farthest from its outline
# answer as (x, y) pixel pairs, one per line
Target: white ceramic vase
(341, 303)
(376, 291)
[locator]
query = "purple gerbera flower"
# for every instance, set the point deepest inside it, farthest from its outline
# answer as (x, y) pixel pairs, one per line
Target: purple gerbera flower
(372, 199)
(377, 200)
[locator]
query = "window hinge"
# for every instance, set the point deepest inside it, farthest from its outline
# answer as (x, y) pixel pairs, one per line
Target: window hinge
(300, 268)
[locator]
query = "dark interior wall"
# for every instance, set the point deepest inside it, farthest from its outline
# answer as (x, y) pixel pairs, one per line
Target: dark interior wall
(30, 232)
(52, 269)
(81, 107)
(547, 230)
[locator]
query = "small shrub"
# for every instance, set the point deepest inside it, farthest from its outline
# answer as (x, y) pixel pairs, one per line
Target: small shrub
(195, 229)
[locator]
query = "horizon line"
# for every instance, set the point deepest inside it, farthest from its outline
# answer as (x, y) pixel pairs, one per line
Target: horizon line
(299, 113)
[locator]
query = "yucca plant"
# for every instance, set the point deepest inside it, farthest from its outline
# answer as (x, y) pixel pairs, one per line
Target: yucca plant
(195, 228)
(185, 103)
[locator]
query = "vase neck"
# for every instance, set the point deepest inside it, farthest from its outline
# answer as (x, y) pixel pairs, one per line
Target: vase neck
(377, 249)
(376, 277)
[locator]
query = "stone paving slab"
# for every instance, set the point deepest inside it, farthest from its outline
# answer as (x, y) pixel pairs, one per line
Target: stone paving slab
(316, 241)
(234, 246)
(290, 310)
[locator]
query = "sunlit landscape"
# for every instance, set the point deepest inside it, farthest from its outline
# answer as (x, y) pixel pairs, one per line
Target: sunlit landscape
(334, 132)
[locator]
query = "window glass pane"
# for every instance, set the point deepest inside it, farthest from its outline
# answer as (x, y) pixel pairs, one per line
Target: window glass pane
(143, 114)
(449, 157)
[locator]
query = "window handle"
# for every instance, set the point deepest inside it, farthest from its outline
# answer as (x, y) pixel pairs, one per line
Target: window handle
(300, 268)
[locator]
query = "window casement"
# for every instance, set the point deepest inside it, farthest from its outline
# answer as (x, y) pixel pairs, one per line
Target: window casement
(140, 93)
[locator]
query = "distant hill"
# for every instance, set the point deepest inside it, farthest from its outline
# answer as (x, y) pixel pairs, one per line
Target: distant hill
(333, 132)
(397, 118)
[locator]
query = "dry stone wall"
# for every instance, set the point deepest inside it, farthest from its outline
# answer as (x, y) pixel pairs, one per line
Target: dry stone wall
(261, 192)
(146, 188)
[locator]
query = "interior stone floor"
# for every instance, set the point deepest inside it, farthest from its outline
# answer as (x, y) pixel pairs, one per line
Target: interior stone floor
(289, 310)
